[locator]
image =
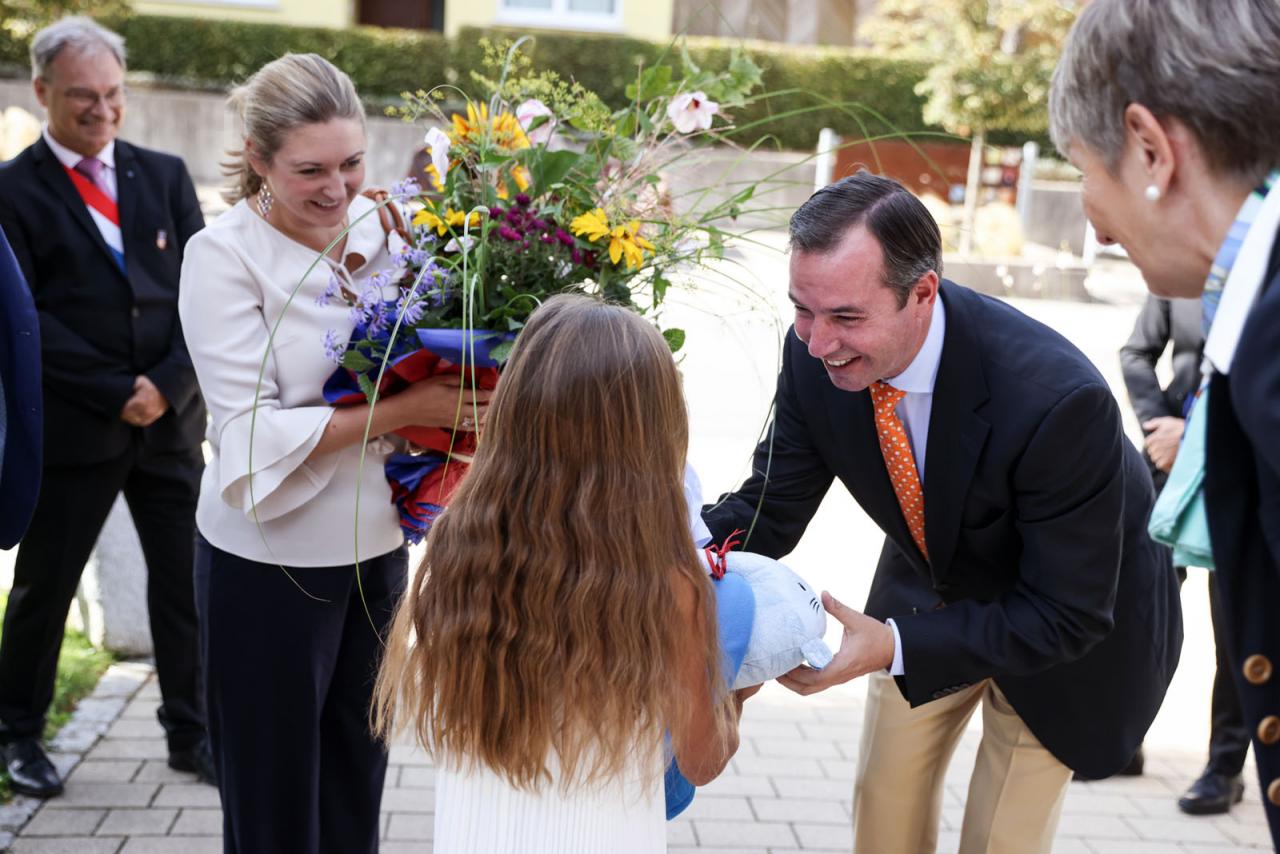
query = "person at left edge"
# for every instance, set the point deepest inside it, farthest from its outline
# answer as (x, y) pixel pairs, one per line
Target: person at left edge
(20, 410)
(98, 227)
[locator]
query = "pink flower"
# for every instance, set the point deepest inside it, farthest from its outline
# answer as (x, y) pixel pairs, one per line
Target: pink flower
(691, 111)
(530, 110)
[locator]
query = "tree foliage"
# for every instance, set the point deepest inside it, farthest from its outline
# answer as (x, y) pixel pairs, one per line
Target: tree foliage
(991, 60)
(21, 18)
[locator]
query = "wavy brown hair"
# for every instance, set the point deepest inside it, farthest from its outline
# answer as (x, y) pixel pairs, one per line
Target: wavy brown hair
(541, 626)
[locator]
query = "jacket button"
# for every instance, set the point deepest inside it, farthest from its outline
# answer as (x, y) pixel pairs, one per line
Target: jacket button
(136, 312)
(1273, 792)
(1257, 669)
(1269, 730)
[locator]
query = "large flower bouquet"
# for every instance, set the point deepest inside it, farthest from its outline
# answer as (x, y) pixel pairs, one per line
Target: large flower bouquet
(537, 190)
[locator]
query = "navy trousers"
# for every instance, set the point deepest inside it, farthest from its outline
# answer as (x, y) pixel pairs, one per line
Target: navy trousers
(291, 655)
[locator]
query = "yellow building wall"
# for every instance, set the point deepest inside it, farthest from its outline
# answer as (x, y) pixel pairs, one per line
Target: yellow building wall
(642, 19)
(298, 13)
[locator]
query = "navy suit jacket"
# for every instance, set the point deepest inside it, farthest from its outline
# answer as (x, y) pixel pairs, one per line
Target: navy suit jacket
(1242, 501)
(101, 326)
(1042, 574)
(20, 375)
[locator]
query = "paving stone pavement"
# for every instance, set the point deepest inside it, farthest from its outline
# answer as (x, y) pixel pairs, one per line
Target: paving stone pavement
(787, 790)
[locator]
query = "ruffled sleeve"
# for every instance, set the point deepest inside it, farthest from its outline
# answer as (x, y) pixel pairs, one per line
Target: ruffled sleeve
(261, 447)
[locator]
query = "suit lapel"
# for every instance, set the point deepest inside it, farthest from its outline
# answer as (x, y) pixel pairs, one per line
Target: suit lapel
(55, 177)
(957, 433)
(126, 194)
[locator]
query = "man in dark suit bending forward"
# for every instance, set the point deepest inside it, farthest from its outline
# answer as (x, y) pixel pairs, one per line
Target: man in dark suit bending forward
(1016, 573)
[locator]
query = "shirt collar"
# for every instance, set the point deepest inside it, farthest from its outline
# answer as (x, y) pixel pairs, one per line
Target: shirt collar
(69, 158)
(920, 375)
(1243, 284)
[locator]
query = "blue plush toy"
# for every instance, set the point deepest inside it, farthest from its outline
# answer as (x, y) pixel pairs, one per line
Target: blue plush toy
(769, 622)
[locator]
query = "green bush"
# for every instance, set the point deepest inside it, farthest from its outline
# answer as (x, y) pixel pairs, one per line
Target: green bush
(872, 95)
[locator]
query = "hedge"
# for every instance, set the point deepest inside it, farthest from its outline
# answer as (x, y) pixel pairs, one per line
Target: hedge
(205, 53)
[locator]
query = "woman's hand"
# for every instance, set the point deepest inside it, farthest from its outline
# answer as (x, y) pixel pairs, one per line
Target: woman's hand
(441, 401)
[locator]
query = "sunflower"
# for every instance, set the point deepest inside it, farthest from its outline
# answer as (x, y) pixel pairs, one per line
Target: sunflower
(626, 242)
(504, 131)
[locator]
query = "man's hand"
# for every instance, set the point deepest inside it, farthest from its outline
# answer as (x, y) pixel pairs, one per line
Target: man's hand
(867, 646)
(146, 405)
(1164, 434)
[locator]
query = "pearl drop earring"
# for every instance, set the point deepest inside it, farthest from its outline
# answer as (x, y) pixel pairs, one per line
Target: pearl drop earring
(1152, 193)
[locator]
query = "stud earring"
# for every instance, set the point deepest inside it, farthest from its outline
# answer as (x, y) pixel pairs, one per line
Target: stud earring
(1152, 193)
(265, 200)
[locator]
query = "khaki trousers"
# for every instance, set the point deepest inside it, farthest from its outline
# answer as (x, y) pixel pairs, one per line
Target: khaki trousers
(1015, 793)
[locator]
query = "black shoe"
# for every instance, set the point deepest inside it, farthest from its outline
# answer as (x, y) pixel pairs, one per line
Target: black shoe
(30, 771)
(1212, 794)
(196, 760)
(1137, 763)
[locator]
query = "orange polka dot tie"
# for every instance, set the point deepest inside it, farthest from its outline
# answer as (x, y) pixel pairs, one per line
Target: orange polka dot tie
(898, 459)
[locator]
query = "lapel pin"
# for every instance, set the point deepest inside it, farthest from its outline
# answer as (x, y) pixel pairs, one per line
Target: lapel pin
(162, 239)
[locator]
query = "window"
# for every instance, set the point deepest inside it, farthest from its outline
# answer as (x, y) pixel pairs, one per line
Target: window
(562, 14)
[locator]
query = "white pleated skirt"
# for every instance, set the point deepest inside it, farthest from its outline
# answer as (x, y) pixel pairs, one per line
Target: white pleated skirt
(478, 812)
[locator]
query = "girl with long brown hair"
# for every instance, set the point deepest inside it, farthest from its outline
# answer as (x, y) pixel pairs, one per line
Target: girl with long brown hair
(561, 621)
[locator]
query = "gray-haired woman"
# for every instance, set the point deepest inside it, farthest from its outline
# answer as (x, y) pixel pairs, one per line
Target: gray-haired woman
(1171, 109)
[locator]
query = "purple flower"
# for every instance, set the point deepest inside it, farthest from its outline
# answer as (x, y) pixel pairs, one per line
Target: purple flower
(564, 237)
(522, 200)
(406, 189)
(496, 212)
(331, 290)
(411, 308)
(509, 233)
(333, 347)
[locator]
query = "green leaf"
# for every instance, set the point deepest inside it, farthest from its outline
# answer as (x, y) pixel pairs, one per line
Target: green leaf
(354, 360)
(552, 168)
(660, 284)
(366, 386)
(654, 81)
(674, 339)
(502, 352)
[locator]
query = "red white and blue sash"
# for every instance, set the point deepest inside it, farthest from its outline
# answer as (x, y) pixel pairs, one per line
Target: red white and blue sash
(104, 212)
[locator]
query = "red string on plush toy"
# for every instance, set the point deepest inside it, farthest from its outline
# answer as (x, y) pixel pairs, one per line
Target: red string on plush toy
(717, 556)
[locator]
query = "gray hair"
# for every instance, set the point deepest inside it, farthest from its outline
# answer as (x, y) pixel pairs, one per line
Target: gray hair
(76, 32)
(295, 90)
(1214, 66)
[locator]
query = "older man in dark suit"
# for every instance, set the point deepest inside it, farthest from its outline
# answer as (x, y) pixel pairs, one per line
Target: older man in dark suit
(98, 227)
(1016, 572)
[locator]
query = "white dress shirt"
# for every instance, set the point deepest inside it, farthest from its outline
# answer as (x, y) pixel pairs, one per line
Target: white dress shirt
(69, 158)
(238, 279)
(914, 410)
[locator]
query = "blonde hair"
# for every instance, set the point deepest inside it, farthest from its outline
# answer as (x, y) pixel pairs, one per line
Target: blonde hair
(542, 627)
(296, 89)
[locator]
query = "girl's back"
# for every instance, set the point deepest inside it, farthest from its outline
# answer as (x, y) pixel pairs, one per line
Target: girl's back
(561, 622)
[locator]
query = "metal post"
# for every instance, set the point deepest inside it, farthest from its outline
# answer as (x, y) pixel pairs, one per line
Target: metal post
(1026, 174)
(825, 163)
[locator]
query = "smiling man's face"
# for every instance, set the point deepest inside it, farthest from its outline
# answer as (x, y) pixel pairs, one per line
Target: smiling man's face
(848, 316)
